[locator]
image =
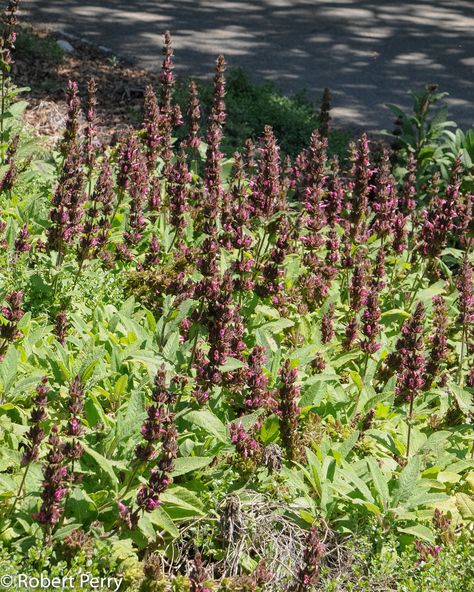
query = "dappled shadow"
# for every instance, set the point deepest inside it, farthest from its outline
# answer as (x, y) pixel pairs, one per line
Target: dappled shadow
(369, 52)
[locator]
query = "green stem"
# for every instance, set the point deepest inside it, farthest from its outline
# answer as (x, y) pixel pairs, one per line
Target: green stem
(162, 335)
(78, 273)
(416, 284)
(173, 240)
(390, 282)
(257, 256)
(193, 351)
(241, 275)
(127, 488)
(366, 363)
(19, 492)
(410, 417)
(71, 480)
(2, 114)
(461, 357)
(117, 206)
(464, 336)
(3, 346)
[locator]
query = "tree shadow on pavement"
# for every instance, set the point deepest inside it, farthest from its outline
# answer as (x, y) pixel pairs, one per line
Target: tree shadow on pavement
(367, 52)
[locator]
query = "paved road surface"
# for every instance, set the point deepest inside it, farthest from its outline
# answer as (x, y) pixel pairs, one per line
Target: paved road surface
(369, 52)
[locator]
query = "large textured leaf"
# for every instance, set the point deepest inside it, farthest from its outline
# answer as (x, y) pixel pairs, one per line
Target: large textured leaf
(277, 326)
(426, 295)
(184, 499)
(130, 422)
(120, 386)
(350, 475)
(420, 532)
(104, 464)
(82, 506)
(316, 470)
(146, 527)
(231, 364)
(267, 311)
(150, 361)
(407, 480)
(465, 504)
(463, 398)
(209, 422)
(348, 444)
(8, 367)
(159, 517)
(249, 420)
(171, 347)
(94, 412)
(187, 464)
(313, 395)
(425, 499)
(122, 549)
(379, 480)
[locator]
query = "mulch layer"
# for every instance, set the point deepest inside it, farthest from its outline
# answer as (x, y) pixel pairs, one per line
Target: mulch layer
(120, 87)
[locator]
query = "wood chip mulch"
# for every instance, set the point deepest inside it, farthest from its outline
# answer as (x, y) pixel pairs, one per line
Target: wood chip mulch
(120, 88)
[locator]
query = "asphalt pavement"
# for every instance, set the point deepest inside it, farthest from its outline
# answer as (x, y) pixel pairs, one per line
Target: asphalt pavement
(368, 52)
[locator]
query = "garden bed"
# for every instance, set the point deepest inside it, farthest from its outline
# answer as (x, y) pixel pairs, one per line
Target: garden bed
(247, 374)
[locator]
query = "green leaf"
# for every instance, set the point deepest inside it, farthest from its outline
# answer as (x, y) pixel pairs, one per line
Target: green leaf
(188, 464)
(17, 108)
(130, 422)
(122, 549)
(425, 499)
(104, 464)
(350, 475)
(426, 295)
(266, 340)
(323, 377)
(159, 517)
(463, 398)
(448, 477)
(465, 504)
(313, 395)
(341, 360)
(231, 364)
(184, 309)
(278, 326)
(8, 366)
(8, 485)
(249, 420)
(292, 478)
(315, 474)
(83, 508)
(395, 314)
(120, 386)
(267, 311)
(171, 347)
(88, 371)
(209, 422)
(357, 379)
(146, 527)
(420, 532)
(348, 444)
(407, 480)
(151, 362)
(94, 412)
(379, 480)
(184, 499)
(373, 508)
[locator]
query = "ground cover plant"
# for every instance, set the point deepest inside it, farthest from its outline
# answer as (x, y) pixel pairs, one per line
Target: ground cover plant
(245, 373)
